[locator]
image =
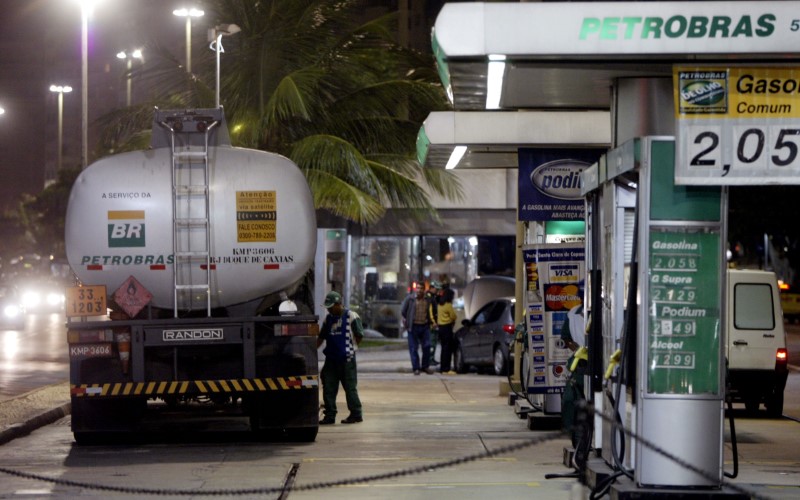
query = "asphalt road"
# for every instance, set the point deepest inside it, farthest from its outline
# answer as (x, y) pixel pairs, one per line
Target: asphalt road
(33, 357)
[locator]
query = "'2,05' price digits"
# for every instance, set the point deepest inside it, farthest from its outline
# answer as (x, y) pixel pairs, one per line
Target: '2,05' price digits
(752, 147)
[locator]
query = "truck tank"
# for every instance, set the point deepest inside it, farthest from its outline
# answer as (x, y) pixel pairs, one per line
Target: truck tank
(261, 222)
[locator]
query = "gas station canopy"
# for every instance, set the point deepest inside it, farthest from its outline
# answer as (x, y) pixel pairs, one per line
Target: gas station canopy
(566, 56)
(548, 57)
(493, 137)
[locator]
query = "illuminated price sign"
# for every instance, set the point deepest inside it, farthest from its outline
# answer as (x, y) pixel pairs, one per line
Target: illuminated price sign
(737, 126)
(85, 301)
(684, 315)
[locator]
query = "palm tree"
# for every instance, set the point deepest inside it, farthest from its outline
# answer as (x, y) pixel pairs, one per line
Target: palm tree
(303, 79)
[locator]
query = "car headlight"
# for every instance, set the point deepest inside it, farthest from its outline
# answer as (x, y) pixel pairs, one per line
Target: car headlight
(31, 299)
(55, 299)
(11, 311)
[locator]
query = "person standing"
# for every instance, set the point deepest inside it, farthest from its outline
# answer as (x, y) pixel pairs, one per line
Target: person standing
(416, 319)
(432, 296)
(342, 331)
(447, 320)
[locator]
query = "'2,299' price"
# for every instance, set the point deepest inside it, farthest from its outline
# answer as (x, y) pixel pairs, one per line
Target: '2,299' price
(743, 149)
(86, 301)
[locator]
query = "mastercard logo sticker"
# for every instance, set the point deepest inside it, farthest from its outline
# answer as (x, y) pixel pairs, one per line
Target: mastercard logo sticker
(562, 297)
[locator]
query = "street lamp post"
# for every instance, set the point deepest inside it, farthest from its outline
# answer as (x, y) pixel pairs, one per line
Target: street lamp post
(61, 90)
(136, 54)
(188, 13)
(86, 11)
(216, 45)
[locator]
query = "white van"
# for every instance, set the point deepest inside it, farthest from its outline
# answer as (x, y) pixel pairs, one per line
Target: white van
(756, 355)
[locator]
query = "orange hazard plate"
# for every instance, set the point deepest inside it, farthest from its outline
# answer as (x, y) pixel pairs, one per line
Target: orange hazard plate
(86, 301)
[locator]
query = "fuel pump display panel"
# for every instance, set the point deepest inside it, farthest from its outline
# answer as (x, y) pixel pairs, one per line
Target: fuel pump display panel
(683, 310)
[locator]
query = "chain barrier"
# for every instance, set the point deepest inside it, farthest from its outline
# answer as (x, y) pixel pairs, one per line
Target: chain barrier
(588, 412)
(550, 436)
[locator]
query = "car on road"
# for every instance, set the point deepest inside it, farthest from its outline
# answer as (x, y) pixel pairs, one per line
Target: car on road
(42, 295)
(12, 312)
(484, 340)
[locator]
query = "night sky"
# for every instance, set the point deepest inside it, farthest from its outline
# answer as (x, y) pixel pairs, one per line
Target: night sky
(41, 45)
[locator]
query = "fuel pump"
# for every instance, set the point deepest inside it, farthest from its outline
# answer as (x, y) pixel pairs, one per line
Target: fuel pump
(668, 342)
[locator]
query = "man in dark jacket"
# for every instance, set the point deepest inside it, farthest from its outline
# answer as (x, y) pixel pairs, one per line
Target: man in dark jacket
(415, 312)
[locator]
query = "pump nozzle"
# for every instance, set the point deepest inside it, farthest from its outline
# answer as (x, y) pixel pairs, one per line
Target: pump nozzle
(613, 361)
(580, 354)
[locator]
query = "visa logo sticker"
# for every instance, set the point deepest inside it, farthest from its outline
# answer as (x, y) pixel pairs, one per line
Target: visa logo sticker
(126, 228)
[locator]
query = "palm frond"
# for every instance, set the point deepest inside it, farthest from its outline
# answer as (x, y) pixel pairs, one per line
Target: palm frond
(342, 198)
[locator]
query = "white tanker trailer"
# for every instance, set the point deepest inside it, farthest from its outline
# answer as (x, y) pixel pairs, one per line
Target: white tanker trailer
(183, 241)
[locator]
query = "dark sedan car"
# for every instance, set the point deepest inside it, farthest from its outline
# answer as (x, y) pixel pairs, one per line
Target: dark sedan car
(484, 339)
(12, 313)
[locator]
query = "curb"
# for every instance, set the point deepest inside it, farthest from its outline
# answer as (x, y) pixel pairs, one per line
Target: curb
(24, 428)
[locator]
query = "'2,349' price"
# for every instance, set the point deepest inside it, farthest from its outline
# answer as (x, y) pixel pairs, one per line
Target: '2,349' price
(743, 148)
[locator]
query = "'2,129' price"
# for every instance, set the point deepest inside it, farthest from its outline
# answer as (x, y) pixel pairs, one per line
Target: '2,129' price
(744, 150)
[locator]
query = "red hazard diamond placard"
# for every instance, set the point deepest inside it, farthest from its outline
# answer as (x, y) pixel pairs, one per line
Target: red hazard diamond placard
(131, 296)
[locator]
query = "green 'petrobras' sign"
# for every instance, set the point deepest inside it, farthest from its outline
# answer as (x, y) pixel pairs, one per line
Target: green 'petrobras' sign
(684, 315)
(677, 26)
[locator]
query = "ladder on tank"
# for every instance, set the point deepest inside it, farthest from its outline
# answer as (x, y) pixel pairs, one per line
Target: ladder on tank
(191, 231)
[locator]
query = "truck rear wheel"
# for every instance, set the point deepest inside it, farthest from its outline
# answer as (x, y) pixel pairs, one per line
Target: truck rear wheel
(302, 434)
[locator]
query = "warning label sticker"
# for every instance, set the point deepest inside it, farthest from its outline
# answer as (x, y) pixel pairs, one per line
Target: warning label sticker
(256, 216)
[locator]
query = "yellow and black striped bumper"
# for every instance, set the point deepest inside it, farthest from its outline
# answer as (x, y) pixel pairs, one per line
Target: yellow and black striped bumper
(195, 387)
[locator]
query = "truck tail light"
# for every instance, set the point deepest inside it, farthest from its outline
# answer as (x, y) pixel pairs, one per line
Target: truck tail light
(290, 329)
(782, 356)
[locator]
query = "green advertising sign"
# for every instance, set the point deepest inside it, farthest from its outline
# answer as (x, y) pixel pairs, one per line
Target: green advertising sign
(684, 312)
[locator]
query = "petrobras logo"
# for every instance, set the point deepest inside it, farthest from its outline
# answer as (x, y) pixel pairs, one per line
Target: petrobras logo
(559, 179)
(126, 228)
(677, 26)
(703, 92)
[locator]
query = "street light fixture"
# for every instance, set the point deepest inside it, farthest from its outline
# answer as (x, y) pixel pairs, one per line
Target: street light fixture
(136, 54)
(216, 34)
(61, 90)
(188, 13)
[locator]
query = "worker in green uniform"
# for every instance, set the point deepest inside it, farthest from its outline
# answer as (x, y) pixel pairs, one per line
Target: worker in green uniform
(341, 331)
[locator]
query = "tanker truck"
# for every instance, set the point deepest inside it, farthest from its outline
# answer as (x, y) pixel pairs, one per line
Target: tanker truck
(180, 252)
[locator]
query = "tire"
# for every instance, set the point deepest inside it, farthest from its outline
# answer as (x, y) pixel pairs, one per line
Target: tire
(500, 364)
(774, 405)
(302, 434)
(458, 362)
(751, 405)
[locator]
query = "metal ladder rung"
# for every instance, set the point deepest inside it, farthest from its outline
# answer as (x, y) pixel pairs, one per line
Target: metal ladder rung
(192, 287)
(191, 222)
(188, 155)
(185, 189)
(191, 254)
